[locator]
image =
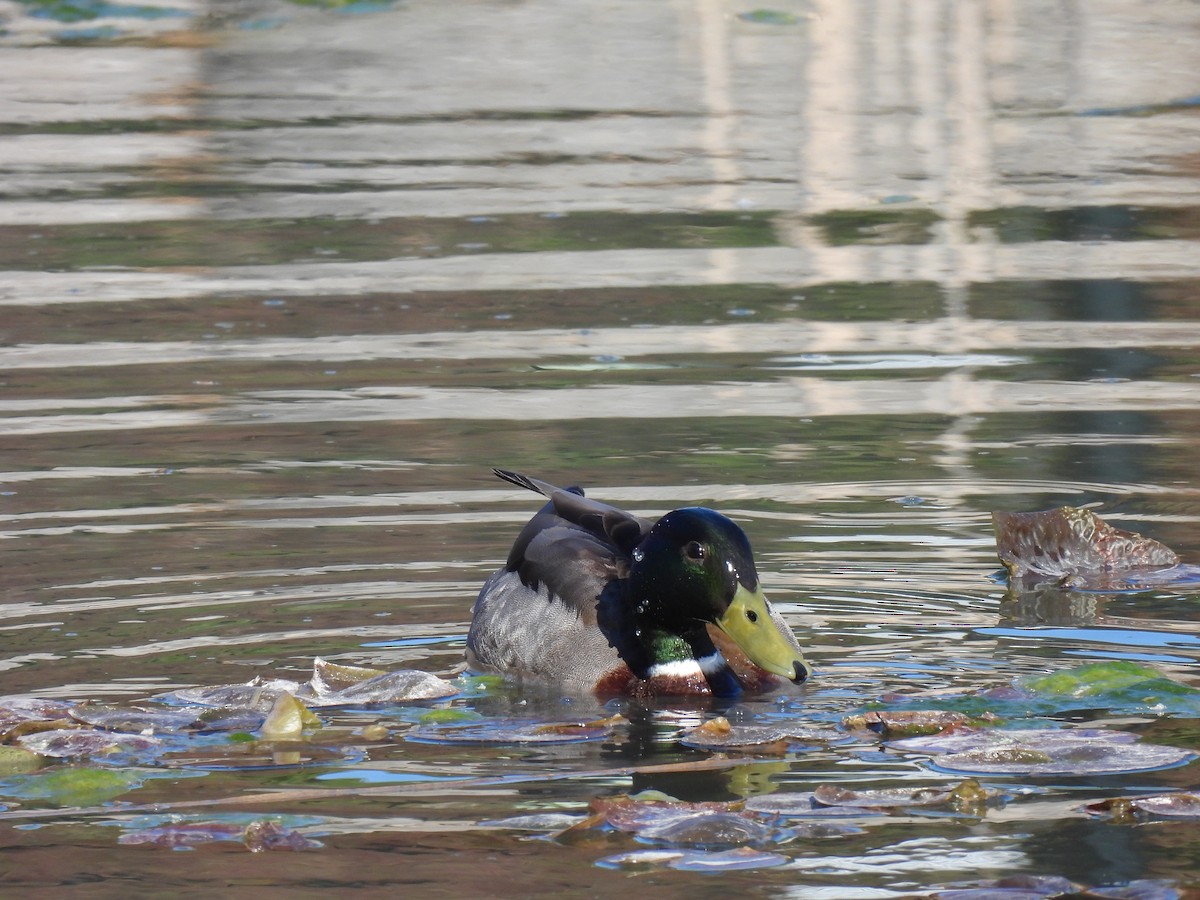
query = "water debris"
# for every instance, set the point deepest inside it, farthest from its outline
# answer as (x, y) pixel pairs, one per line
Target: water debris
(1042, 751)
(719, 734)
(1075, 548)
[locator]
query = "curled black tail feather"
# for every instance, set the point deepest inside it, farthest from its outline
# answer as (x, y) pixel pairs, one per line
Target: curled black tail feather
(518, 479)
(533, 484)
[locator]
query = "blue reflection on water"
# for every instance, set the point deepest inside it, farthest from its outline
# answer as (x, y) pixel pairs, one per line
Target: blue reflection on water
(1100, 635)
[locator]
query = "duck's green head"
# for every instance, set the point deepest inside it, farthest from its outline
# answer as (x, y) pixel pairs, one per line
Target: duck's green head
(695, 567)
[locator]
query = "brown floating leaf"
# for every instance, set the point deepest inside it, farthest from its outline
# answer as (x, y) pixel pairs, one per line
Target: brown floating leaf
(1182, 805)
(712, 826)
(1068, 544)
(906, 723)
(967, 793)
(719, 734)
(263, 834)
(627, 813)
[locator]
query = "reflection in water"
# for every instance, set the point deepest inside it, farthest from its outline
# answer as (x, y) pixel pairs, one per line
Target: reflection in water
(282, 283)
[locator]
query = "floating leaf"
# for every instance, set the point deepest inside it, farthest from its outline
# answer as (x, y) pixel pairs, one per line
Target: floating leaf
(392, 687)
(287, 719)
(331, 685)
(902, 723)
(1073, 546)
(983, 739)
(229, 719)
(739, 859)
(65, 743)
(1040, 751)
(257, 694)
(16, 760)
(547, 822)
(656, 818)
(969, 792)
(804, 805)
(328, 678)
(15, 709)
(719, 734)
(134, 719)
(269, 835)
(257, 834)
(713, 830)
(1012, 887)
(1176, 805)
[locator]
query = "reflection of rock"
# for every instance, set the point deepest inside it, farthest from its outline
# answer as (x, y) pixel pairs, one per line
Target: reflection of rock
(1048, 605)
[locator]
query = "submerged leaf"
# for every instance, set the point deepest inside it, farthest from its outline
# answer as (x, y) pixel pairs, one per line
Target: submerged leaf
(1117, 686)
(16, 760)
(1114, 677)
(1072, 545)
(73, 785)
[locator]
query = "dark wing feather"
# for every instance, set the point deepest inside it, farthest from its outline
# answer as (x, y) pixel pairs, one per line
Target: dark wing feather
(555, 616)
(557, 610)
(622, 530)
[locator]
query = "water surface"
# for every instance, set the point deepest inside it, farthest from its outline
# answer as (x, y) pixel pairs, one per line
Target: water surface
(281, 282)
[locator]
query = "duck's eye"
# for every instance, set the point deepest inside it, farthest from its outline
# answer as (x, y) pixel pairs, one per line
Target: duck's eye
(694, 550)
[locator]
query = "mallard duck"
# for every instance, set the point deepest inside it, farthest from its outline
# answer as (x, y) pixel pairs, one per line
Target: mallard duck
(594, 599)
